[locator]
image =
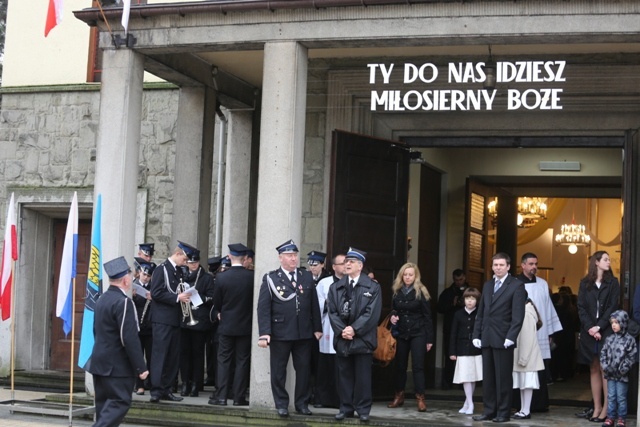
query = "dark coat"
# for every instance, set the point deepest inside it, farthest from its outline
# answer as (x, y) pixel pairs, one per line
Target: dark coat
(203, 282)
(233, 299)
(414, 316)
(363, 316)
(589, 299)
(295, 319)
(500, 315)
(461, 332)
(117, 351)
(165, 307)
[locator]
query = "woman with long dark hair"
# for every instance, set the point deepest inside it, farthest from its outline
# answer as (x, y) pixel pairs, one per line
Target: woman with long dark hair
(598, 297)
(412, 317)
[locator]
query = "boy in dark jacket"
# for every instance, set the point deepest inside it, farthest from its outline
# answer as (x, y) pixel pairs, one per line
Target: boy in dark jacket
(616, 359)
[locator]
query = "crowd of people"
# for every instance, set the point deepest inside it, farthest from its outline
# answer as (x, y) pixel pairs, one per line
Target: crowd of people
(326, 322)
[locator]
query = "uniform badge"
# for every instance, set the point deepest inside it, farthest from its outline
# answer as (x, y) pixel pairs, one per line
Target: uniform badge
(367, 294)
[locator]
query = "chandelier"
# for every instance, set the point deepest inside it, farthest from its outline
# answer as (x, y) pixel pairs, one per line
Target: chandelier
(530, 210)
(573, 235)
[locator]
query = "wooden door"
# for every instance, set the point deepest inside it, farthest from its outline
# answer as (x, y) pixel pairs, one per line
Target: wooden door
(368, 210)
(60, 351)
(477, 249)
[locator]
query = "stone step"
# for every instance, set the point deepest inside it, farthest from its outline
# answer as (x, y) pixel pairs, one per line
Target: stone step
(45, 380)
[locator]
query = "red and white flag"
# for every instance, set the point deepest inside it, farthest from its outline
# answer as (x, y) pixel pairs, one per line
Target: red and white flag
(9, 256)
(54, 15)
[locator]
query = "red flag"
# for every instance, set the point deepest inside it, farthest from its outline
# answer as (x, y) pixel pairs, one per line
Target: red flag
(9, 256)
(54, 15)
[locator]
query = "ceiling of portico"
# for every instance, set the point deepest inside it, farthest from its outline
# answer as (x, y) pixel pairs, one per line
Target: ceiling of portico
(247, 65)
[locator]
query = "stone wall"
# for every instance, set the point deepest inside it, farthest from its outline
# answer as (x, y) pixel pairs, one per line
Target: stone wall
(48, 140)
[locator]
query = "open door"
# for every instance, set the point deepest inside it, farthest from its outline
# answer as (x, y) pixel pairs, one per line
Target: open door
(477, 249)
(630, 268)
(368, 207)
(368, 202)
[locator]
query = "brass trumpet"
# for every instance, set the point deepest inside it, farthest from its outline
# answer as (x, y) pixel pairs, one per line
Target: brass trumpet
(186, 306)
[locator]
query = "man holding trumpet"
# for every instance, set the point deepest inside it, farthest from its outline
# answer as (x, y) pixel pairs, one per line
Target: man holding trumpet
(166, 316)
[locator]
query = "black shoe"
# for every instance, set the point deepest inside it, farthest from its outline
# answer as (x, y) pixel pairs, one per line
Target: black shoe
(521, 416)
(283, 412)
(482, 417)
(171, 397)
(342, 415)
(241, 403)
(364, 418)
(319, 405)
(194, 391)
(217, 402)
(154, 399)
(184, 390)
(501, 419)
(585, 413)
(304, 411)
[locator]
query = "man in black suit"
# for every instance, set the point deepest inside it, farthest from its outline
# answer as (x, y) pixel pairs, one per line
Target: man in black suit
(142, 300)
(233, 303)
(166, 315)
(117, 358)
(498, 323)
(354, 304)
(288, 321)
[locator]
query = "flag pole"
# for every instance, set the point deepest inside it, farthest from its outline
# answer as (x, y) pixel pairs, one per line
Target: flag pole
(13, 332)
(73, 338)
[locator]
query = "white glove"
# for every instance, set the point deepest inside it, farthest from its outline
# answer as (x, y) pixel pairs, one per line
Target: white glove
(477, 343)
(508, 343)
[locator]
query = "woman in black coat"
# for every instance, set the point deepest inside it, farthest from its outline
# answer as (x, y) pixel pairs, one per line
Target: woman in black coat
(412, 318)
(598, 297)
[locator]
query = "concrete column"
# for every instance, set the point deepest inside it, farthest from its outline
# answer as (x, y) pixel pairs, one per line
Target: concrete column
(117, 150)
(193, 168)
(237, 181)
(117, 155)
(280, 174)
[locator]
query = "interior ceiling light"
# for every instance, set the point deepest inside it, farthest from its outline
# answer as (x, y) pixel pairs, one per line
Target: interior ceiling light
(573, 235)
(530, 210)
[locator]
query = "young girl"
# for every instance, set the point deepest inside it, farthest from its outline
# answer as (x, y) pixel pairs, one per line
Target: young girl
(527, 360)
(468, 358)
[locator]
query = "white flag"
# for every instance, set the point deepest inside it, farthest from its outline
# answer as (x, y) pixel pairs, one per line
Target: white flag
(126, 9)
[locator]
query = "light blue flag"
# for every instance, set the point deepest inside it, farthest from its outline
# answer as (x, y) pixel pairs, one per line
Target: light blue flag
(64, 303)
(94, 287)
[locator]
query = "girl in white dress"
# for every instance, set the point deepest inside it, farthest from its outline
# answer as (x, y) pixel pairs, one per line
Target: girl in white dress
(527, 360)
(468, 358)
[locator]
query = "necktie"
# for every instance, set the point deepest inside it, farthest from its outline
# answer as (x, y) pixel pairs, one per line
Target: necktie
(497, 286)
(349, 289)
(293, 279)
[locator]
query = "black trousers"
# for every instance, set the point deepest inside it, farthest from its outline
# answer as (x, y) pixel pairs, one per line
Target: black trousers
(192, 343)
(230, 349)
(146, 341)
(166, 358)
(300, 351)
(326, 381)
(497, 381)
(354, 383)
(113, 399)
(417, 346)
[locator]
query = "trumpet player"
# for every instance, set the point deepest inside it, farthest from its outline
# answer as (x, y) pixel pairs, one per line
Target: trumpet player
(166, 315)
(195, 327)
(143, 304)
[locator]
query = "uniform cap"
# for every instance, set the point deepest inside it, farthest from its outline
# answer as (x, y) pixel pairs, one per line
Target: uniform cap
(316, 257)
(354, 253)
(117, 268)
(147, 248)
(287, 247)
(238, 249)
(193, 254)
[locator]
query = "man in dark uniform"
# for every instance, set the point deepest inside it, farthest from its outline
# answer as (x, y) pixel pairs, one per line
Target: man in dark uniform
(193, 336)
(146, 251)
(117, 357)
(166, 313)
(233, 302)
(316, 260)
(498, 323)
(288, 321)
(142, 300)
(354, 304)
